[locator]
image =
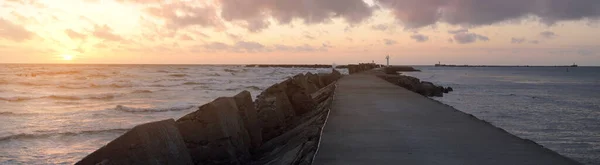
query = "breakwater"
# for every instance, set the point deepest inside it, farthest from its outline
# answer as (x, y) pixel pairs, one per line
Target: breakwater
(282, 126)
(294, 66)
(391, 75)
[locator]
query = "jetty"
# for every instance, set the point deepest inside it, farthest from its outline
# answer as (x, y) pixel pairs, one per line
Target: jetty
(372, 121)
(372, 116)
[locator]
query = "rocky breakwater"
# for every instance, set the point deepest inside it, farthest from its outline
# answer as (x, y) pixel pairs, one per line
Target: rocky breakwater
(361, 67)
(282, 126)
(414, 84)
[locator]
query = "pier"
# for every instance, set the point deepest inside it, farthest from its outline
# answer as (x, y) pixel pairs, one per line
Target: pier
(375, 122)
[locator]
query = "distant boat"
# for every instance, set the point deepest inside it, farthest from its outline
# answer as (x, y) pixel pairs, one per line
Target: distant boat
(574, 65)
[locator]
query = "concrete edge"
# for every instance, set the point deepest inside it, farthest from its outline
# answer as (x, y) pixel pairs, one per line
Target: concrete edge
(323, 126)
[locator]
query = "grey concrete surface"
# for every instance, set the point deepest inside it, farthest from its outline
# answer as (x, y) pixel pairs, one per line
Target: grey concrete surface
(375, 122)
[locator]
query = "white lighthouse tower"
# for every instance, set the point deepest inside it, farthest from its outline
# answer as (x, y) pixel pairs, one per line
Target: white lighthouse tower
(387, 58)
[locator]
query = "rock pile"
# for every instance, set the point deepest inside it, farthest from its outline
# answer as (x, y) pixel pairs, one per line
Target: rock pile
(352, 69)
(414, 84)
(281, 126)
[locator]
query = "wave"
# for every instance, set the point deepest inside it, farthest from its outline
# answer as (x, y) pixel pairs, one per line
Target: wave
(142, 91)
(16, 114)
(178, 75)
(35, 74)
(46, 135)
(213, 74)
(62, 97)
(254, 88)
(112, 85)
(150, 110)
(194, 83)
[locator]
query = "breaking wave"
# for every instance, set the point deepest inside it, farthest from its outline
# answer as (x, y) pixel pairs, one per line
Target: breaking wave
(150, 110)
(36, 136)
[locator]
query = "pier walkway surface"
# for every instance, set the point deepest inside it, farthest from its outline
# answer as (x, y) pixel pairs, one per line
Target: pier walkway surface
(375, 122)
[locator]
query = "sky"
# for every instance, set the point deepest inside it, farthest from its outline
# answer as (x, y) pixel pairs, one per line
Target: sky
(411, 32)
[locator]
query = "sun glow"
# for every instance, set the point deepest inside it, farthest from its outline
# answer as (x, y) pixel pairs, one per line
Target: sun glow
(67, 57)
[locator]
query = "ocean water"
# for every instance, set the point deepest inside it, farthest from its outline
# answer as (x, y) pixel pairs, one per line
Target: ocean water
(556, 107)
(57, 114)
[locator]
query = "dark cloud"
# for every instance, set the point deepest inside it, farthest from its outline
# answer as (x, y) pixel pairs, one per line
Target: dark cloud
(284, 11)
(75, 35)
(389, 42)
(548, 34)
(253, 14)
(517, 40)
(466, 38)
(14, 32)
(419, 37)
(419, 13)
(380, 27)
(458, 31)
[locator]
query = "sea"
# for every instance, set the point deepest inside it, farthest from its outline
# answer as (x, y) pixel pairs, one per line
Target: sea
(556, 107)
(57, 114)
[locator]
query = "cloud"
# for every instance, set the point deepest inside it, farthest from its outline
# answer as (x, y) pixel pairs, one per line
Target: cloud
(467, 38)
(238, 47)
(534, 42)
(420, 13)
(380, 27)
(458, 31)
(301, 48)
(106, 33)
(419, 37)
(389, 42)
(14, 32)
(75, 35)
(180, 14)
(514, 40)
(548, 34)
(186, 37)
(284, 11)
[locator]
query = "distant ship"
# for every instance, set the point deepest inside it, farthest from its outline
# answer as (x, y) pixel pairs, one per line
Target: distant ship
(574, 65)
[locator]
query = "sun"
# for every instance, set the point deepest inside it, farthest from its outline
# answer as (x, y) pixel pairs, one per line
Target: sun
(67, 57)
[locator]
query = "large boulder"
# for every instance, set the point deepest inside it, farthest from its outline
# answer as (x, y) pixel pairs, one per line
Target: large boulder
(302, 81)
(311, 85)
(249, 116)
(429, 89)
(151, 143)
(274, 109)
(299, 97)
(215, 133)
(315, 79)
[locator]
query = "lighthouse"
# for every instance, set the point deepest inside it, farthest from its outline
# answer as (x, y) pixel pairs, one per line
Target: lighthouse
(387, 58)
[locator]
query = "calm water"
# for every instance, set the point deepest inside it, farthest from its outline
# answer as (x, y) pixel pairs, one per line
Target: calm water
(57, 114)
(555, 108)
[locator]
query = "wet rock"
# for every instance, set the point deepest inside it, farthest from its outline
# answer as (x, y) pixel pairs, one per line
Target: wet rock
(249, 116)
(215, 133)
(151, 143)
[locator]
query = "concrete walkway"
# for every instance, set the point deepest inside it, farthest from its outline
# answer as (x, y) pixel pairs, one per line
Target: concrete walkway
(375, 122)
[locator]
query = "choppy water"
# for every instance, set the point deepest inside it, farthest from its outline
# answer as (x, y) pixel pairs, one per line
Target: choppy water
(555, 108)
(57, 114)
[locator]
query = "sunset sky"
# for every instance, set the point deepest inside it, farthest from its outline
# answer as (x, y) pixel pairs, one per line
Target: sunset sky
(501, 32)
